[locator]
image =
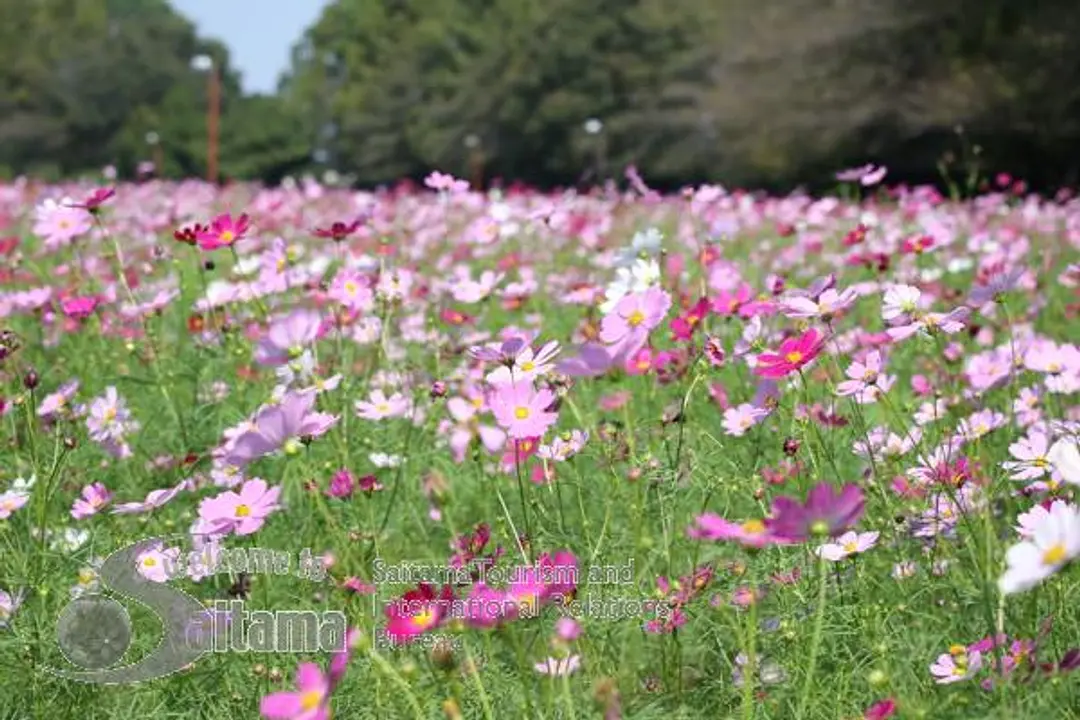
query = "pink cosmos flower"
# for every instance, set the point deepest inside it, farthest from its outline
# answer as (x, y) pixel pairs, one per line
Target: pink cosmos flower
(739, 419)
(57, 224)
(825, 306)
(223, 232)
(752, 533)
(282, 426)
(730, 303)
(352, 290)
(10, 501)
(417, 612)
(867, 381)
(288, 337)
(242, 513)
(78, 307)
(446, 182)
(956, 666)
(157, 563)
(521, 410)
(791, 356)
(94, 497)
(378, 406)
(154, 499)
(310, 701)
(57, 402)
(628, 324)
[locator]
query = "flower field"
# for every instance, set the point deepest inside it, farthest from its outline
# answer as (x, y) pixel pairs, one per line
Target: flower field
(309, 452)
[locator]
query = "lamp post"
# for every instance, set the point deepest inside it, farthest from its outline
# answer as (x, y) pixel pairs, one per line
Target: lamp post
(206, 64)
(476, 161)
(594, 128)
(156, 154)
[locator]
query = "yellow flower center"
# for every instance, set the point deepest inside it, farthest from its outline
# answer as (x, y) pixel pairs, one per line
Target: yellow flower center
(228, 236)
(109, 414)
(478, 402)
(851, 548)
(423, 619)
(1041, 463)
(1054, 555)
(310, 700)
(150, 561)
(383, 407)
(242, 510)
(753, 527)
(350, 287)
(794, 357)
(636, 318)
(955, 650)
(528, 366)
(521, 413)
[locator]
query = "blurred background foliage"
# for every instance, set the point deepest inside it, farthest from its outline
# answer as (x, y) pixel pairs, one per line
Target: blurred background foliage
(761, 93)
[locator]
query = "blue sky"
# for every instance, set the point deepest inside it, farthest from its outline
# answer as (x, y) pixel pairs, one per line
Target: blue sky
(258, 33)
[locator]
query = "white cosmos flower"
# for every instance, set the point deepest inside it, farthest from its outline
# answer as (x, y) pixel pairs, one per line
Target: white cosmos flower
(639, 277)
(848, 544)
(1065, 457)
(1053, 542)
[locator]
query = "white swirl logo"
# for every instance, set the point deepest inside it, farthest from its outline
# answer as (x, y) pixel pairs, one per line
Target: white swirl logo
(94, 631)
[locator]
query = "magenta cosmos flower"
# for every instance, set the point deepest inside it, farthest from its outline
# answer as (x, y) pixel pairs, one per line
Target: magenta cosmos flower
(243, 512)
(223, 232)
(521, 410)
(791, 356)
(79, 307)
(825, 512)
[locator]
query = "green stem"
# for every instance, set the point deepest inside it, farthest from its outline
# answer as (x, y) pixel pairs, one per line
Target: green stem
(815, 642)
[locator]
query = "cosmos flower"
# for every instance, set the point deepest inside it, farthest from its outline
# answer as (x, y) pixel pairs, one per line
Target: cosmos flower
(283, 426)
(848, 544)
(95, 497)
(223, 231)
(1054, 541)
(521, 410)
(826, 512)
(242, 513)
(417, 612)
(792, 355)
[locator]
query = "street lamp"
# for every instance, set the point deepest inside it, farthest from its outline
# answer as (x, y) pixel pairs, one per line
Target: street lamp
(594, 128)
(205, 64)
(476, 160)
(154, 141)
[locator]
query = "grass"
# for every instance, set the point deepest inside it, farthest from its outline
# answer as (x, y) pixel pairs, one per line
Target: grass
(824, 645)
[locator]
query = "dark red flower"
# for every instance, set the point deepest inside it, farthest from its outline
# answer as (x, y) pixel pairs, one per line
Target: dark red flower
(338, 231)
